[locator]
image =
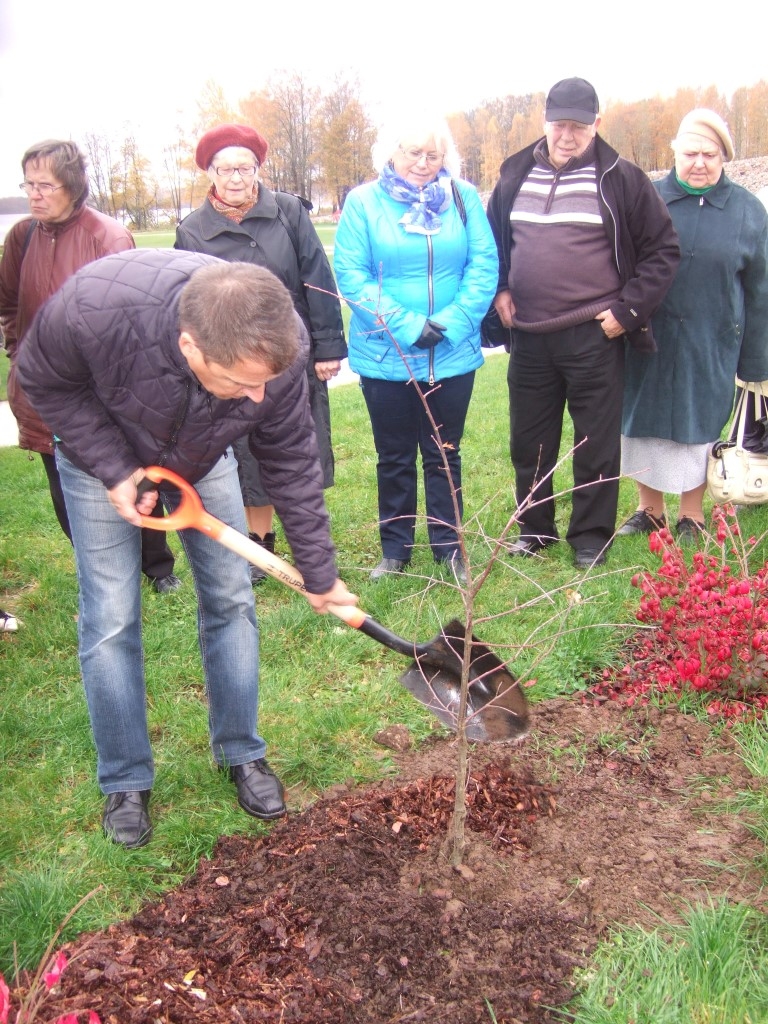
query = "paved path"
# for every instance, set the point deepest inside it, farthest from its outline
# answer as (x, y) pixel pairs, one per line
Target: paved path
(9, 435)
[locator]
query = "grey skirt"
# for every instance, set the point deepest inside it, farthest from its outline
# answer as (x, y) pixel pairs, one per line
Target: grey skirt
(666, 466)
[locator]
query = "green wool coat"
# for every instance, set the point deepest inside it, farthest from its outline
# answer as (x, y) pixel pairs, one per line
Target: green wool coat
(713, 323)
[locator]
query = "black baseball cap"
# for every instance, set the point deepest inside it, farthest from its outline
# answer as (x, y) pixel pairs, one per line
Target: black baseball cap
(572, 99)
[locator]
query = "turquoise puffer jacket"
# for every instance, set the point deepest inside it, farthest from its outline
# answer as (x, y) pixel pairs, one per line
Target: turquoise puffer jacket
(394, 280)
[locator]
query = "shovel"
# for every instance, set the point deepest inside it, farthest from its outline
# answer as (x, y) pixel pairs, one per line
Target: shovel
(497, 709)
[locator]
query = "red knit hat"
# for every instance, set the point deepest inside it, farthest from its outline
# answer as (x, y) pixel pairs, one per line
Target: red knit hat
(229, 135)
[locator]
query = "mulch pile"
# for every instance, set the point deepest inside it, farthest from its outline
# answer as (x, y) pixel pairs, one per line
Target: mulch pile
(333, 919)
(349, 911)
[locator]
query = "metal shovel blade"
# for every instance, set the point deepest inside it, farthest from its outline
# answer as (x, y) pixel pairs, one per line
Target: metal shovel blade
(497, 709)
(496, 706)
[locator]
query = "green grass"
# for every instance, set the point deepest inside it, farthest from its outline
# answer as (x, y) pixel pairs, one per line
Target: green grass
(154, 239)
(164, 239)
(326, 233)
(712, 969)
(325, 691)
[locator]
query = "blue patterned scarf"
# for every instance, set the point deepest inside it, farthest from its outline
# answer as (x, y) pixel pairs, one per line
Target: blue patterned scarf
(425, 202)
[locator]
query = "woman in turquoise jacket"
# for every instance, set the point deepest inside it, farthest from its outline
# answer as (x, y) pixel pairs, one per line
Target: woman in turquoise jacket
(415, 259)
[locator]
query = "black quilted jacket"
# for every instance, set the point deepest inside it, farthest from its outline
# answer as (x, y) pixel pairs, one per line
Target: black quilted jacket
(102, 366)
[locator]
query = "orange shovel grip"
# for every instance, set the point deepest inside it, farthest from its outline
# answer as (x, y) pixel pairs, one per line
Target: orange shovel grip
(190, 513)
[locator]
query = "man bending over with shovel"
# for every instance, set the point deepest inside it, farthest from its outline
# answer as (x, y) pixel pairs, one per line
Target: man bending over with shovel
(154, 357)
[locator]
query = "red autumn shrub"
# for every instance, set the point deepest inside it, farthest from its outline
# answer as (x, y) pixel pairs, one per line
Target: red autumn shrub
(31, 1005)
(707, 625)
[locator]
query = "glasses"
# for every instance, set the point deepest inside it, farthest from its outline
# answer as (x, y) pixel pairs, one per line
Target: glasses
(43, 188)
(229, 172)
(416, 155)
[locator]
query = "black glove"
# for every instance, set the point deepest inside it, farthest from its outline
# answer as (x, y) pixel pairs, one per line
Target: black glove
(432, 335)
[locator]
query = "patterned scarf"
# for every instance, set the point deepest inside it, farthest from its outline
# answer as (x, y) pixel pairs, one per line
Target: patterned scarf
(425, 202)
(235, 213)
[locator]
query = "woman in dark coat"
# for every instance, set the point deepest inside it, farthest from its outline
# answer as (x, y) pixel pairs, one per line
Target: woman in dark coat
(242, 220)
(711, 327)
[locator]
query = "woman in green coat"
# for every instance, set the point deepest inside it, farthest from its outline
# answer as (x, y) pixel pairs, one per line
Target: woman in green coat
(711, 327)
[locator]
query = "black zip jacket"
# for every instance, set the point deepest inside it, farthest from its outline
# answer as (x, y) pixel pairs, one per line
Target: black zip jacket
(636, 222)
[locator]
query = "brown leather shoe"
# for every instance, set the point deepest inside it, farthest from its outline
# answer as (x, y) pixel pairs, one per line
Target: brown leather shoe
(259, 791)
(126, 819)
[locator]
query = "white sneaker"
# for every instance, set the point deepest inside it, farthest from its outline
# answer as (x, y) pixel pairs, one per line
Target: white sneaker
(8, 623)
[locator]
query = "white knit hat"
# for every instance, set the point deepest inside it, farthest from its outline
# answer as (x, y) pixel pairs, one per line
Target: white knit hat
(711, 126)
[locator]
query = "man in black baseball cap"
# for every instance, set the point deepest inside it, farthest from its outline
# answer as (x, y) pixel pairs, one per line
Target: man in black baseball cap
(572, 99)
(587, 252)
(571, 104)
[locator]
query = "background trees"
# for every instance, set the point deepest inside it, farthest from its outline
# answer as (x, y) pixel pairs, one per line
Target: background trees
(641, 131)
(320, 142)
(103, 168)
(345, 135)
(286, 114)
(316, 141)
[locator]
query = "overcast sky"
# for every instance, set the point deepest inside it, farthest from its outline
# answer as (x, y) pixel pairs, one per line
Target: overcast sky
(70, 68)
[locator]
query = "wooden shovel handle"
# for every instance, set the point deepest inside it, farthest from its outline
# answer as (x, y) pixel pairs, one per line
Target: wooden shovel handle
(190, 513)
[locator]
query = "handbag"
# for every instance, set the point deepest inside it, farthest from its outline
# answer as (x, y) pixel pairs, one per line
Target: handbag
(735, 474)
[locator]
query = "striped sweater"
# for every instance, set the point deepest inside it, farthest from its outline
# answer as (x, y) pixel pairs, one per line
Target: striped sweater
(562, 270)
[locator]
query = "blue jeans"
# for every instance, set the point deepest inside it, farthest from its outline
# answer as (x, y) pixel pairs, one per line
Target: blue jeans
(108, 559)
(401, 429)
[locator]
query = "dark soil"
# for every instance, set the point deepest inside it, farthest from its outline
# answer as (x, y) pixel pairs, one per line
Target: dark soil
(348, 911)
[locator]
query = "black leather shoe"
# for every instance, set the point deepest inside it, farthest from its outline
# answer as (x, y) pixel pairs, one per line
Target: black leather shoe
(524, 547)
(259, 791)
(126, 819)
(387, 566)
(642, 522)
(585, 558)
(690, 530)
(166, 584)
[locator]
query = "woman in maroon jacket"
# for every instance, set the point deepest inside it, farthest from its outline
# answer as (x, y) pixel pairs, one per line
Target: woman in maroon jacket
(40, 254)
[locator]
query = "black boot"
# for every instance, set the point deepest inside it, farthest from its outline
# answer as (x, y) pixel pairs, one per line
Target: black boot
(268, 542)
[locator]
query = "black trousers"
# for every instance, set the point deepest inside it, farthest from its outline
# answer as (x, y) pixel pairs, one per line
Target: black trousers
(578, 368)
(157, 558)
(402, 430)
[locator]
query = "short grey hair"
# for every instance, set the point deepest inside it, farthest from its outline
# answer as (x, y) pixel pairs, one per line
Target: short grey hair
(237, 311)
(414, 129)
(66, 162)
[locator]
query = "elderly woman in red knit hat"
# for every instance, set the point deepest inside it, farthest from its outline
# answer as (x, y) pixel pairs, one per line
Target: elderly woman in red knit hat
(242, 220)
